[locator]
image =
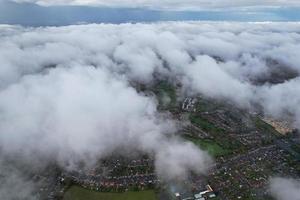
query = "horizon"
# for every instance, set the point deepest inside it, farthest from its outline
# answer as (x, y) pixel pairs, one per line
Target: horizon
(60, 15)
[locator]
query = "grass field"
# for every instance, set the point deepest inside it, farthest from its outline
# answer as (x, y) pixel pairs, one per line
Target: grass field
(165, 90)
(79, 193)
(210, 146)
(265, 127)
(221, 145)
(205, 124)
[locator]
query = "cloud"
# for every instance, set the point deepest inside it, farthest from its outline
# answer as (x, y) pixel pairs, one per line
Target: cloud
(221, 60)
(169, 4)
(12, 180)
(283, 188)
(81, 114)
(175, 160)
(67, 93)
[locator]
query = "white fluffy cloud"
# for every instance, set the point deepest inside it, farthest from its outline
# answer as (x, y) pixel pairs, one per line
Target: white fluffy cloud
(283, 188)
(81, 114)
(169, 4)
(34, 60)
(65, 96)
(183, 52)
(66, 93)
(12, 180)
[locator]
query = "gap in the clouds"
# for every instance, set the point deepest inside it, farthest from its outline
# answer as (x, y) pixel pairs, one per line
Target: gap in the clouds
(33, 15)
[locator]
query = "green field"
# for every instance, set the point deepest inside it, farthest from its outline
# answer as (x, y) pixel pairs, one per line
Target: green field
(204, 105)
(266, 128)
(79, 193)
(208, 145)
(205, 124)
(222, 144)
(165, 90)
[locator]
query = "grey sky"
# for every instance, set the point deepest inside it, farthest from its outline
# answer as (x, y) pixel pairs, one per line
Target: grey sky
(30, 14)
(170, 4)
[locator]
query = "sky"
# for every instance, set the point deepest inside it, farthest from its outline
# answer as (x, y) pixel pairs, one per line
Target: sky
(62, 12)
(170, 4)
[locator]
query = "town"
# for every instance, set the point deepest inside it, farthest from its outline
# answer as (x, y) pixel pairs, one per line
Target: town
(247, 148)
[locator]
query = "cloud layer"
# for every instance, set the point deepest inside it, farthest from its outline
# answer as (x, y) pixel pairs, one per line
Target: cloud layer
(169, 4)
(283, 188)
(66, 93)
